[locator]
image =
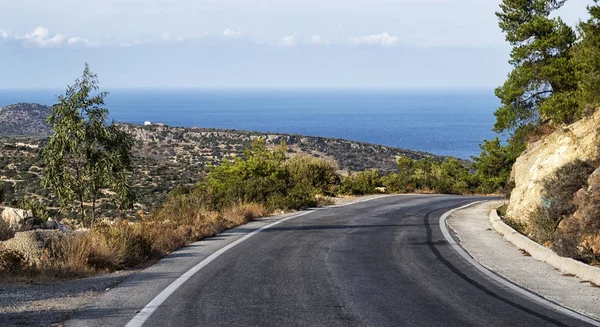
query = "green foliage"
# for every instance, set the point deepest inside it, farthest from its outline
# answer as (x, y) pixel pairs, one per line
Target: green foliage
(494, 165)
(1, 192)
(256, 178)
(361, 183)
(318, 174)
(586, 57)
(38, 209)
(84, 155)
(542, 83)
(265, 177)
(427, 175)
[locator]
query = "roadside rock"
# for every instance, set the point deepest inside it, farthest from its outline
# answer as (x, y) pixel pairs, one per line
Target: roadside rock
(15, 217)
(577, 141)
(32, 244)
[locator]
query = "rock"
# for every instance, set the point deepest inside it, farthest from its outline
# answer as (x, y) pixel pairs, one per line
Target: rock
(15, 217)
(541, 159)
(33, 243)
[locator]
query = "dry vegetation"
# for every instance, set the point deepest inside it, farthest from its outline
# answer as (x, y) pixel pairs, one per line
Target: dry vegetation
(123, 244)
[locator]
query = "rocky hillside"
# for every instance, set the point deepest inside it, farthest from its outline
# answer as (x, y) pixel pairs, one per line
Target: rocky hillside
(24, 119)
(165, 157)
(199, 146)
(557, 190)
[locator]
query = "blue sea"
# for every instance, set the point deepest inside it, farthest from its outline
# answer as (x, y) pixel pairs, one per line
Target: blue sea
(442, 122)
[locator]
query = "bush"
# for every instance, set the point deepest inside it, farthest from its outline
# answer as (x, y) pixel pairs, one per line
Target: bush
(542, 226)
(361, 183)
(313, 173)
(397, 183)
(559, 190)
(265, 177)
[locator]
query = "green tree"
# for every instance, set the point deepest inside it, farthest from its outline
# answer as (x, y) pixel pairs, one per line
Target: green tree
(84, 155)
(586, 56)
(494, 165)
(542, 84)
(1, 192)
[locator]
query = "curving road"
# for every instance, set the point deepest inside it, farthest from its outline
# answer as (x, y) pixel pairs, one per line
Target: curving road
(379, 263)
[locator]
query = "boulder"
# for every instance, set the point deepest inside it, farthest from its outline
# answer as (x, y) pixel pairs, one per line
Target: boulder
(32, 244)
(15, 217)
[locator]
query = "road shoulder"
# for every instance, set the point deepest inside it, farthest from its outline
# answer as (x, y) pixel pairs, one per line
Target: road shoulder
(493, 251)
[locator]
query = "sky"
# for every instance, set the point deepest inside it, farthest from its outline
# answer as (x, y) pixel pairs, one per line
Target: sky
(391, 44)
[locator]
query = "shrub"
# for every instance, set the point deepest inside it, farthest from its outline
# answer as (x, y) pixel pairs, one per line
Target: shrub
(559, 190)
(560, 187)
(397, 183)
(313, 173)
(361, 183)
(542, 226)
(517, 225)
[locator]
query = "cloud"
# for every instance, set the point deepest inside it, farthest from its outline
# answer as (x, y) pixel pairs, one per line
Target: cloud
(231, 34)
(383, 39)
(289, 41)
(319, 40)
(41, 38)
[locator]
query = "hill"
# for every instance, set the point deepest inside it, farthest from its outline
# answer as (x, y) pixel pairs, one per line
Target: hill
(166, 157)
(24, 119)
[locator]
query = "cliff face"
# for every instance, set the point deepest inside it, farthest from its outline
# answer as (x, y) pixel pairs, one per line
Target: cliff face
(24, 119)
(542, 158)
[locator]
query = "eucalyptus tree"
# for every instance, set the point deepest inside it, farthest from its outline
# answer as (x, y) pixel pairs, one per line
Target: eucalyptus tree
(85, 156)
(542, 85)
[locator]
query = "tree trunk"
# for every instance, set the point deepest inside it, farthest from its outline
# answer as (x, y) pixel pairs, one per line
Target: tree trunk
(81, 208)
(93, 211)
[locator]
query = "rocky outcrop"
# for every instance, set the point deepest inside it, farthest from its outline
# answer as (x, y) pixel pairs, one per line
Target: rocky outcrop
(542, 158)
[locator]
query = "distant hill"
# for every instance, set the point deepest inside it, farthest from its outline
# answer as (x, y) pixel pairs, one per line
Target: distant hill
(24, 120)
(165, 157)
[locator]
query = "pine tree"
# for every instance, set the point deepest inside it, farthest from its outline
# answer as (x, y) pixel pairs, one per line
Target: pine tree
(586, 56)
(542, 84)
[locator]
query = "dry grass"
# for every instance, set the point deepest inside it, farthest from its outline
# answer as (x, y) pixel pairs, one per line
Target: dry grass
(243, 213)
(125, 245)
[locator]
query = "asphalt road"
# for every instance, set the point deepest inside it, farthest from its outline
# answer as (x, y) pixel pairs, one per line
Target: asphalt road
(379, 263)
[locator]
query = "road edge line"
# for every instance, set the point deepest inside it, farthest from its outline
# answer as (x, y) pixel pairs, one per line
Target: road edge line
(141, 317)
(491, 275)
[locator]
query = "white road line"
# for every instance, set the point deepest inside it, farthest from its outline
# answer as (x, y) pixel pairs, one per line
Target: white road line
(524, 292)
(143, 315)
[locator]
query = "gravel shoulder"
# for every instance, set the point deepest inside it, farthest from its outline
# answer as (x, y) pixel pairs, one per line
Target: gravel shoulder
(493, 251)
(50, 303)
